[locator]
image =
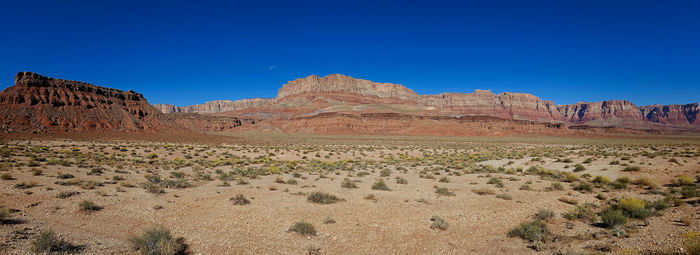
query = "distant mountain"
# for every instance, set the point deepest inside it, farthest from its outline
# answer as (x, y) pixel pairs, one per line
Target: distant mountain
(334, 104)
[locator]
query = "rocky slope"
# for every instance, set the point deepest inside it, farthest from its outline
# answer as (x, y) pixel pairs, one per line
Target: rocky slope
(40, 104)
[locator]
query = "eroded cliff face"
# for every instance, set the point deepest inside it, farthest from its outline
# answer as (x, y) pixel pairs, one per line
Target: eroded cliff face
(672, 114)
(504, 105)
(585, 112)
(343, 94)
(341, 85)
(216, 106)
(41, 104)
(333, 104)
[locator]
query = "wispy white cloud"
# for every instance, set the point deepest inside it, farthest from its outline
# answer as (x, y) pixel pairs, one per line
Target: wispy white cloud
(272, 67)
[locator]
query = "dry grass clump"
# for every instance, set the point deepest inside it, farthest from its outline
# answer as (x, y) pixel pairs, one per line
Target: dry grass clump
(303, 228)
(484, 191)
(48, 242)
(380, 185)
(348, 184)
(89, 206)
(401, 180)
(444, 192)
(322, 198)
(240, 200)
(544, 214)
(157, 241)
(67, 194)
(535, 231)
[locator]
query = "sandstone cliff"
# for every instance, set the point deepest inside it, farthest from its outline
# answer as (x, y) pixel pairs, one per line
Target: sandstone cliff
(583, 112)
(40, 104)
(341, 85)
(216, 106)
(672, 114)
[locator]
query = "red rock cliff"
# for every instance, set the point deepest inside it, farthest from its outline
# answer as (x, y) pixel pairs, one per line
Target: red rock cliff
(41, 104)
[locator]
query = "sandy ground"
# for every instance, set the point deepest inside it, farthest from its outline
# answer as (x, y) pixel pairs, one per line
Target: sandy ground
(395, 222)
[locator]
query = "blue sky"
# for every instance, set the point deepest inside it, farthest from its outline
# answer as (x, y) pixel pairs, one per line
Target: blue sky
(187, 53)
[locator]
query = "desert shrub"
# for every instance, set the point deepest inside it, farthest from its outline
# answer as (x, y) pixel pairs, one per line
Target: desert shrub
(380, 185)
(48, 242)
(153, 188)
(348, 184)
(67, 194)
(633, 208)
(322, 198)
(689, 191)
(36, 172)
(682, 180)
(401, 180)
(581, 212)
(534, 231)
(544, 214)
(89, 206)
(660, 204)
(687, 220)
(583, 187)
(157, 241)
(292, 182)
(612, 218)
(484, 191)
(177, 175)
(240, 200)
(438, 223)
(618, 185)
(65, 176)
(444, 179)
(328, 220)
(303, 228)
(631, 169)
(385, 172)
(525, 187)
(96, 171)
(557, 186)
(579, 168)
(644, 182)
(495, 181)
(691, 242)
(504, 196)
(4, 213)
(569, 177)
(6, 177)
(26, 185)
(601, 180)
(443, 191)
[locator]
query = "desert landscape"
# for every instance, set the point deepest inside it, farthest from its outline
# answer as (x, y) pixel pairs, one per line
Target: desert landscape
(350, 127)
(88, 169)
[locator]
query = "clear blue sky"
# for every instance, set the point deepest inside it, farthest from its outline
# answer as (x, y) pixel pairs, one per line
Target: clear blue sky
(188, 53)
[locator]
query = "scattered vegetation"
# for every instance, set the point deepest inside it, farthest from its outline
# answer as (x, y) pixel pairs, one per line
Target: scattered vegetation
(157, 240)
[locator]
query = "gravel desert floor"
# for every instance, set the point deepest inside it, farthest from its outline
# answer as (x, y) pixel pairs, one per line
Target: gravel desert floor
(303, 194)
